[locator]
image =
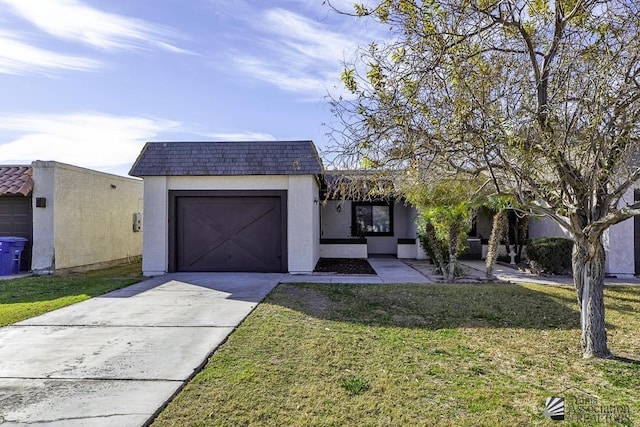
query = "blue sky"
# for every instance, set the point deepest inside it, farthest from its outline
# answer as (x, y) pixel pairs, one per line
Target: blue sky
(87, 82)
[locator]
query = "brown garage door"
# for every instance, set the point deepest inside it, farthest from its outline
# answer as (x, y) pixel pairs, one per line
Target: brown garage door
(16, 219)
(228, 231)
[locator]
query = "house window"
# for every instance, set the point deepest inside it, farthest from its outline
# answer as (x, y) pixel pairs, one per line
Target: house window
(372, 219)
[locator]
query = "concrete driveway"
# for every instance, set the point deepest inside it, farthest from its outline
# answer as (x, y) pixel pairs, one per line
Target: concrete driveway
(116, 359)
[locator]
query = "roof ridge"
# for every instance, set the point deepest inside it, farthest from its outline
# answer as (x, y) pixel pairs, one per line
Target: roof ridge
(220, 158)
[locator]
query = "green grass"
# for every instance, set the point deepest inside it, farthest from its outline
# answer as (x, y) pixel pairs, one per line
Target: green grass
(391, 355)
(27, 297)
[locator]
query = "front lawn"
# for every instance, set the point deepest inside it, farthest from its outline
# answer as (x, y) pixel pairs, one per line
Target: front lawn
(31, 296)
(390, 355)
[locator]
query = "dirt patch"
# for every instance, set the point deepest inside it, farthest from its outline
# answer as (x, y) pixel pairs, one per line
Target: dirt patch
(344, 266)
(315, 303)
(426, 268)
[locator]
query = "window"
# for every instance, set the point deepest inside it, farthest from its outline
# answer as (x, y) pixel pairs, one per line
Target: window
(372, 219)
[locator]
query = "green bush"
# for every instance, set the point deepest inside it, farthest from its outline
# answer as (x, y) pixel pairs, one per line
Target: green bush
(550, 255)
(424, 242)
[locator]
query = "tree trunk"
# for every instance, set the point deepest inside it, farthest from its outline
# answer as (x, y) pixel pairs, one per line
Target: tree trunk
(521, 234)
(497, 231)
(588, 260)
(454, 235)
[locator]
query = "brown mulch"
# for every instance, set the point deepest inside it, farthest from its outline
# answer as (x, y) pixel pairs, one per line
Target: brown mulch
(344, 266)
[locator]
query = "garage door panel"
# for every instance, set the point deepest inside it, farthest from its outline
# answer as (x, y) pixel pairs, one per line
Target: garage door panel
(229, 233)
(229, 257)
(268, 246)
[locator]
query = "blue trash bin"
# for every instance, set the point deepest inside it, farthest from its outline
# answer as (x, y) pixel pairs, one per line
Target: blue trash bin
(10, 254)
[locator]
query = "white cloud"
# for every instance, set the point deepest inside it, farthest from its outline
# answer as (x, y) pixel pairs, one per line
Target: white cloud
(74, 21)
(18, 57)
(310, 39)
(298, 54)
(292, 80)
(241, 136)
(93, 140)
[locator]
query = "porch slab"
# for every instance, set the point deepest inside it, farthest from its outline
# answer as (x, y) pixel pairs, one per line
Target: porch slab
(388, 270)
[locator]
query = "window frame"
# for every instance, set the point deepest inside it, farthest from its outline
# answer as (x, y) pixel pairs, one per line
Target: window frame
(354, 222)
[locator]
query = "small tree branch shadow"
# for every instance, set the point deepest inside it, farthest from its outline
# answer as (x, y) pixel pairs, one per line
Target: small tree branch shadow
(626, 360)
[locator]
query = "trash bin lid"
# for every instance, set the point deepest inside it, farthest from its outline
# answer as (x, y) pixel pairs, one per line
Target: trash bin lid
(12, 239)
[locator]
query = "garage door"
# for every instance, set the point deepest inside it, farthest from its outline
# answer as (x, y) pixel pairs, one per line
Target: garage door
(16, 220)
(229, 231)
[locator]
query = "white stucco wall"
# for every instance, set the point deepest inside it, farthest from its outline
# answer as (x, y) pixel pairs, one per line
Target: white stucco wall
(88, 218)
(303, 222)
(43, 252)
(619, 244)
(337, 225)
(329, 250)
(618, 241)
(406, 251)
(540, 227)
(155, 239)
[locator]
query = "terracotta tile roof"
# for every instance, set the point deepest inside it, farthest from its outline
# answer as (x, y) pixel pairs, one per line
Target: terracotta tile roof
(16, 180)
(228, 158)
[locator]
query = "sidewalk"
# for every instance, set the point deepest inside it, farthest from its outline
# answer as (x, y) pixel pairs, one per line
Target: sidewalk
(513, 275)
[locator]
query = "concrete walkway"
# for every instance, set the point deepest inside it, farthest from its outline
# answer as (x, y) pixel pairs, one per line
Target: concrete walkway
(513, 275)
(116, 359)
(388, 270)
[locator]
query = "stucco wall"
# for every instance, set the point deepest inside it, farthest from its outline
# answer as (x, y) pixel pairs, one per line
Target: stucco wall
(619, 244)
(402, 228)
(43, 253)
(343, 251)
(337, 225)
(88, 218)
(155, 239)
(540, 227)
(303, 222)
(302, 231)
(618, 241)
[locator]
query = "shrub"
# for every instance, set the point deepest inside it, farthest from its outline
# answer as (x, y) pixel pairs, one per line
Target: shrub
(551, 255)
(424, 242)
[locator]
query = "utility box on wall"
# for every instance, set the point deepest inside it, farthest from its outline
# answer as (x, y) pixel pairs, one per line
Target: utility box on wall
(137, 222)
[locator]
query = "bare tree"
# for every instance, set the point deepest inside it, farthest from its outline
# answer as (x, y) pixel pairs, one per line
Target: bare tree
(542, 97)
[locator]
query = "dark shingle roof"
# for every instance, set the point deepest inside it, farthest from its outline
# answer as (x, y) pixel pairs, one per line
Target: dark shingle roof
(228, 158)
(16, 180)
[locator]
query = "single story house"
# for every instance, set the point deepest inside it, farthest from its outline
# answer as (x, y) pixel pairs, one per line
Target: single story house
(261, 206)
(72, 217)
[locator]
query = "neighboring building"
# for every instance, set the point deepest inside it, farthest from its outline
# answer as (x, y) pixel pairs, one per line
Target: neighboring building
(16, 218)
(72, 217)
